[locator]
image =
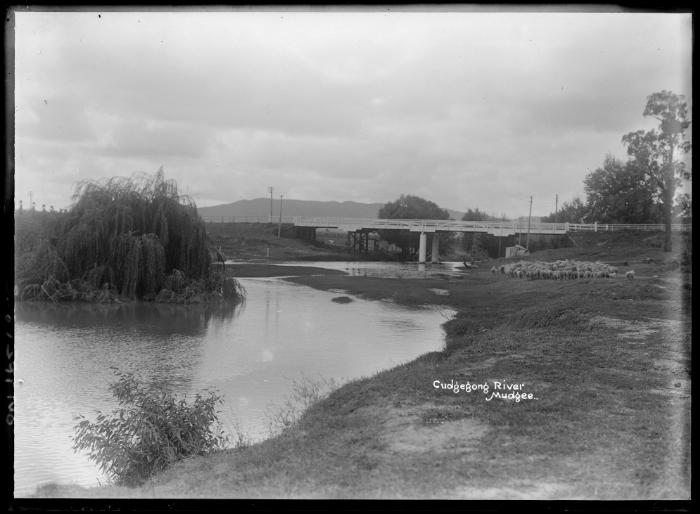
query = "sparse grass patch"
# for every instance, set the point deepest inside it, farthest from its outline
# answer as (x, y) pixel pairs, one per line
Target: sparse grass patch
(305, 393)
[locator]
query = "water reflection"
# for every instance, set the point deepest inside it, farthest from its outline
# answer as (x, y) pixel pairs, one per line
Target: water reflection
(63, 354)
(181, 319)
(405, 270)
(250, 352)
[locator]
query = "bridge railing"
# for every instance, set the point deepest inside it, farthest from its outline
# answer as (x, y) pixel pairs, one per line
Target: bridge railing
(485, 226)
(447, 225)
(611, 227)
(443, 225)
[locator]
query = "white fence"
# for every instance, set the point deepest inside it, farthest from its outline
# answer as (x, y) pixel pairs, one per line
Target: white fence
(495, 227)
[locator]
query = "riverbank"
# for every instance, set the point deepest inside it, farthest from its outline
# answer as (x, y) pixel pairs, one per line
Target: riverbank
(606, 360)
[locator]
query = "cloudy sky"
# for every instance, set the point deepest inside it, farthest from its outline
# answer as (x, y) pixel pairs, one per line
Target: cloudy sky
(465, 109)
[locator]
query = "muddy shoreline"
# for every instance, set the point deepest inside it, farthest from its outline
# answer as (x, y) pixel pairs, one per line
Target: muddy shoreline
(607, 362)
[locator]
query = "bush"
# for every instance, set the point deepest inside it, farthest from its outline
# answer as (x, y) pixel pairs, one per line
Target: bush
(151, 431)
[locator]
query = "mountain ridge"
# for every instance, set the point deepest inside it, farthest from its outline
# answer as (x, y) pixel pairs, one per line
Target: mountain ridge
(331, 209)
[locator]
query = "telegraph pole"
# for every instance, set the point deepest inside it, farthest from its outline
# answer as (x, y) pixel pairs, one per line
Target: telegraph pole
(31, 193)
(279, 232)
(556, 210)
(270, 189)
(527, 241)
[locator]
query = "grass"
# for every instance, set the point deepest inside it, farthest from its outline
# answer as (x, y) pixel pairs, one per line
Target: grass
(611, 420)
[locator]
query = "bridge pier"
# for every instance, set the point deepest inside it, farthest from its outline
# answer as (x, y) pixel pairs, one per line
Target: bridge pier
(360, 240)
(422, 248)
(436, 248)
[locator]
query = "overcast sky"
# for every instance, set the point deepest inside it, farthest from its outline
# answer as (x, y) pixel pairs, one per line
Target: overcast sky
(464, 109)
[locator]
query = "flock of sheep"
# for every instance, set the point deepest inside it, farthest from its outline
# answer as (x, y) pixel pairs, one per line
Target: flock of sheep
(558, 270)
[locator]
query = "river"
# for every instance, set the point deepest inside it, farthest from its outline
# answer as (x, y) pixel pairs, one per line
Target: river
(251, 353)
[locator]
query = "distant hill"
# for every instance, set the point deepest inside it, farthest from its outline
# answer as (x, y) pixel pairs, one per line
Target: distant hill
(455, 215)
(261, 207)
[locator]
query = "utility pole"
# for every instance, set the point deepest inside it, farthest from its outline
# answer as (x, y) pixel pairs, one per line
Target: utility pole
(279, 232)
(520, 230)
(527, 242)
(270, 189)
(556, 210)
(31, 193)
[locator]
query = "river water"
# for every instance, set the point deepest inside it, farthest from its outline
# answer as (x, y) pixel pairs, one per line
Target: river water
(404, 270)
(251, 353)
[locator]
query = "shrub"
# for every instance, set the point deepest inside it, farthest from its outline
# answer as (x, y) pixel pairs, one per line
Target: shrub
(151, 431)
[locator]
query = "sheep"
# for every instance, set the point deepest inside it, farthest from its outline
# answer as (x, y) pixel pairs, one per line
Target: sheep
(556, 270)
(630, 274)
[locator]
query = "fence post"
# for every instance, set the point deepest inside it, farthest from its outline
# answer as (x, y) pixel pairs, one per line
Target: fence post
(595, 226)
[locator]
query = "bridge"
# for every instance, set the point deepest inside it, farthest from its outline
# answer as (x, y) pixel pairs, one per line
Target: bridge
(358, 228)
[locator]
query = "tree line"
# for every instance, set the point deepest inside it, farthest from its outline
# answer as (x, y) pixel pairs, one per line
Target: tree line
(641, 190)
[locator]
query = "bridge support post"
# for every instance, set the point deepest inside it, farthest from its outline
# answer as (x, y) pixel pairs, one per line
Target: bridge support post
(436, 248)
(422, 248)
(359, 240)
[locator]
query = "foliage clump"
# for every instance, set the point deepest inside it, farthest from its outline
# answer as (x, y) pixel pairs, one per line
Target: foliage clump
(121, 238)
(643, 189)
(150, 431)
(409, 207)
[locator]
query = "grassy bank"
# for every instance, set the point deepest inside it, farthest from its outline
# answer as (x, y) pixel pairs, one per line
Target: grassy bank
(608, 361)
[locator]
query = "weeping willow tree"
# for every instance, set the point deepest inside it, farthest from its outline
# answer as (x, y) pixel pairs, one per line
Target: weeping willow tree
(133, 236)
